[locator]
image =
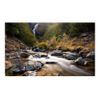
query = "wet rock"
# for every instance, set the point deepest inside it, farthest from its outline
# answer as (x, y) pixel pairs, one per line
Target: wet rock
(80, 61)
(24, 55)
(43, 54)
(36, 50)
(30, 52)
(29, 68)
(43, 50)
(37, 56)
(38, 65)
(56, 53)
(30, 73)
(91, 55)
(70, 55)
(16, 71)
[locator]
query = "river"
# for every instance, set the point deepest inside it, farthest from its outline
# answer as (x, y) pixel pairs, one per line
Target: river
(64, 64)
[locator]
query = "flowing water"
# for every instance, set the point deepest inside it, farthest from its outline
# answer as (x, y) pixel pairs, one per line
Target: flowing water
(64, 64)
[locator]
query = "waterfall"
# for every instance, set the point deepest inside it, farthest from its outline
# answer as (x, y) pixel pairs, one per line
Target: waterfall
(35, 28)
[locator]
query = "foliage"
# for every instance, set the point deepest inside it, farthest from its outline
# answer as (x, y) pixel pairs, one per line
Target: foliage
(43, 45)
(22, 31)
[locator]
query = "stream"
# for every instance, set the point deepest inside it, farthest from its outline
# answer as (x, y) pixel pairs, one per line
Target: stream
(63, 63)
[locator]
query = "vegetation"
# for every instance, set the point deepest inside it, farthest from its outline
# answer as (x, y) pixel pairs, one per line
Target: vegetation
(65, 36)
(43, 45)
(21, 31)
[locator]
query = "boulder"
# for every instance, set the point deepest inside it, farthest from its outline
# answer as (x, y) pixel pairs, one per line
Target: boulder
(70, 55)
(37, 56)
(56, 53)
(8, 64)
(24, 55)
(7, 55)
(30, 73)
(16, 71)
(80, 61)
(38, 65)
(91, 55)
(29, 68)
(43, 50)
(36, 50)
(43, 54)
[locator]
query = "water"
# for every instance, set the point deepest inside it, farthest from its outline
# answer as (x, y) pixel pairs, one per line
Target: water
(64, 64)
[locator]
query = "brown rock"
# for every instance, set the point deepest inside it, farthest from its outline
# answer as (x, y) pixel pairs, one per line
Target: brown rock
(8, 64)
(24, 55)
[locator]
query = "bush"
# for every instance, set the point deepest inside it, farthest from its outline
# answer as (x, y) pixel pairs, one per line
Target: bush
(43, 45)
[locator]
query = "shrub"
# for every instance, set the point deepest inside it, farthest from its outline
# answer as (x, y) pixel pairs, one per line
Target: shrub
(43, 45)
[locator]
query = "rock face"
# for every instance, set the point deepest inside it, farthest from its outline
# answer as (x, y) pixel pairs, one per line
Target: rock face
(70, 55)
(56, 53)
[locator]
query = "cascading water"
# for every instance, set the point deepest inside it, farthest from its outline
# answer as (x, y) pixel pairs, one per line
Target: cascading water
(35, 28)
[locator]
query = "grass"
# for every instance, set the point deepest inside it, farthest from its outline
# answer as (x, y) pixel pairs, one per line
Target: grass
(68, 44)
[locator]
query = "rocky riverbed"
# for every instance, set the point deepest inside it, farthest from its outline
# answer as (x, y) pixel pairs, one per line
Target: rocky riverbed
(29, 62)
(21, 60)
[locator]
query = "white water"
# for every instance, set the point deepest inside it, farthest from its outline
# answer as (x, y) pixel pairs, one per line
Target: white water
(65, 64)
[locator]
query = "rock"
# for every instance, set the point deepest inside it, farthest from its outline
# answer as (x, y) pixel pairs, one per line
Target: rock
(77, 49)
(16, 71)
(80, 61)
(24, 55)
(36, 50)
(7, 55)
(30, 73)
(37, 56)
(70, 55)
(43, 50)
(56, 53)
(7, 50)
(29, 68)
(84, 35)
(43, 54)
(30, 52)
(8, 64)
(91, 55)
(84, 52)
(38, 65)
(30, 62)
